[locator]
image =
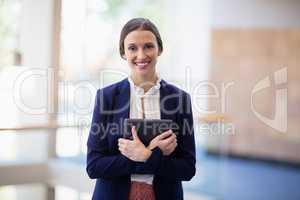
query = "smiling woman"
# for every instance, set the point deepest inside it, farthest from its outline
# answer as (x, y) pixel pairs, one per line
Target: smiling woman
(141, 44)
(141, 52)
(127, 169)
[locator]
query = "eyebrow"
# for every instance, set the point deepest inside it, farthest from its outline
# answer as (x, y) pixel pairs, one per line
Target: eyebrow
(144, 43)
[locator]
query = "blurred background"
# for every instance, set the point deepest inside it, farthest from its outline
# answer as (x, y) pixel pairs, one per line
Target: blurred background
(239, 60)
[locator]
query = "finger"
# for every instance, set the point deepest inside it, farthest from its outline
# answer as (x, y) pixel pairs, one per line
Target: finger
(171, 148)
(166, 144)
(124, 147)
(171, 144)
(134, 134)
(169, 140)
(128, 146)
(121, 146)
(172, 137)
(174, 144)
(123, 141)
(122, 150)
(154, 143)
(165, 134)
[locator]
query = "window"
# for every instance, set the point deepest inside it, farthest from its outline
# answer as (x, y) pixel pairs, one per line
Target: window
(9, 33)
(90, 59)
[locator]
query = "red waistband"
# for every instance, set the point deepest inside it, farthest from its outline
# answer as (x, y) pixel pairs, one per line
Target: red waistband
(141, 191)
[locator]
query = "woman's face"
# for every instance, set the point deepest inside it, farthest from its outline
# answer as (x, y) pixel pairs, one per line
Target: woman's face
(141, 52)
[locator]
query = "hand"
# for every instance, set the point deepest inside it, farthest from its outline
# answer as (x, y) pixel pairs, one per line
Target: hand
(134, 149)
(155, 141)
(166, 141)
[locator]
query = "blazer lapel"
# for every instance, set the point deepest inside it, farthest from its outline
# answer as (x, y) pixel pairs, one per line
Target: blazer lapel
(165, 105)
(122, 102)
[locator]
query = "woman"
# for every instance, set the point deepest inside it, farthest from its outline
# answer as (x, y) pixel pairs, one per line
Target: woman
(127, 169)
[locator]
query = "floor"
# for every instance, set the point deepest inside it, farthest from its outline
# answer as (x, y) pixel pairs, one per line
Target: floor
(227, 178)
(223, 178)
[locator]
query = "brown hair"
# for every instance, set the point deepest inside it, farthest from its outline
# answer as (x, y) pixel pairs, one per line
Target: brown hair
(141, 24)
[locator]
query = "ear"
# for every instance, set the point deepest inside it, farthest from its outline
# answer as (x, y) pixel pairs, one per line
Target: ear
(124, 57)
(159, 52)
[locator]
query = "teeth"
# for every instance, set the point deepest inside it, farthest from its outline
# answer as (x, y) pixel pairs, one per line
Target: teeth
(141, 64)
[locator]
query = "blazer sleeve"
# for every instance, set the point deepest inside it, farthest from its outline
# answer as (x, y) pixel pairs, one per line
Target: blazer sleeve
(180, 165)
(100, 164)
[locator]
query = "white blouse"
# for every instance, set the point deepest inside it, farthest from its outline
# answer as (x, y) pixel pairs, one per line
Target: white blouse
(151, 111)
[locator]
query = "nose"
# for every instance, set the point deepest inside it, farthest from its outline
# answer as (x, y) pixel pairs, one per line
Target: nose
(141, 54)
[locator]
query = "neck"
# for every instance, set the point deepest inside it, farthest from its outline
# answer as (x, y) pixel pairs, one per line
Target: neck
(145, 82)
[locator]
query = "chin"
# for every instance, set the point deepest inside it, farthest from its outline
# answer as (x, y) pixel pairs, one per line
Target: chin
(143, 72)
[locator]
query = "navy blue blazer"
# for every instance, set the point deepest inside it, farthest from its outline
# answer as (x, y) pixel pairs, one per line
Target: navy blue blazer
(112, 170)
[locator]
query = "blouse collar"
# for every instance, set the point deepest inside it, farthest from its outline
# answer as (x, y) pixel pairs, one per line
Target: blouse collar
(139, 90)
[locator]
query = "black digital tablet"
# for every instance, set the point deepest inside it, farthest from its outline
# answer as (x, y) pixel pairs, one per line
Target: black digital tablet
(147, 129)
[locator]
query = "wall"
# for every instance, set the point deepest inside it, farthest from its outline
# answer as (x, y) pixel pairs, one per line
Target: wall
(245, 57)
(252, 40)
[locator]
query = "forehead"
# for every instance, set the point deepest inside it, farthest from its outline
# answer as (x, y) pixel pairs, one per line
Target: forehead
(140, 36)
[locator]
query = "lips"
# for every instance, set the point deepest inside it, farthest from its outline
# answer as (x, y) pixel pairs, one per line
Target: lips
(142, 63)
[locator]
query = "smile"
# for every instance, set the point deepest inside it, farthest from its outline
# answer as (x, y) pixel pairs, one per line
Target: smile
(141, 64)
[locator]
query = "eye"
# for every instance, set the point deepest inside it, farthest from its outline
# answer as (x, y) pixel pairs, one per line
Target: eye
(131, 48)
(149, 46)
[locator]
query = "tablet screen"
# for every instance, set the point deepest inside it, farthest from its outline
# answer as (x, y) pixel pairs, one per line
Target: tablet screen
(147, 129)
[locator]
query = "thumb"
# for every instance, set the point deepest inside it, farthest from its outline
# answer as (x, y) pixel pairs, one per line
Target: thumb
(134, 134)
